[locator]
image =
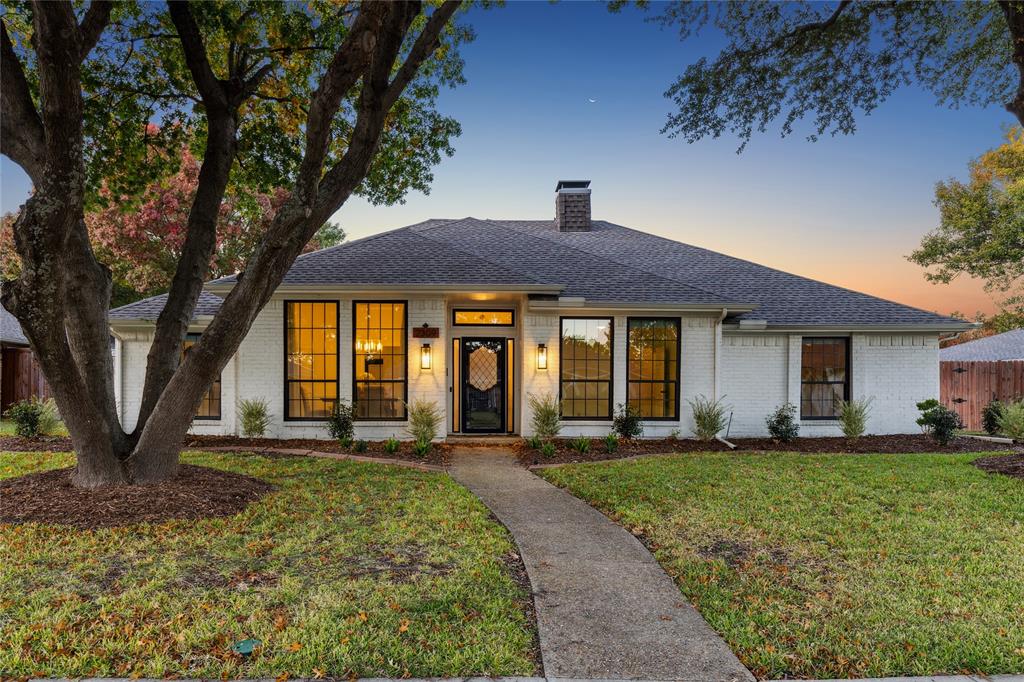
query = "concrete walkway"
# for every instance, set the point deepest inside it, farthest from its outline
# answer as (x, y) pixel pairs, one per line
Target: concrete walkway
(605, 609)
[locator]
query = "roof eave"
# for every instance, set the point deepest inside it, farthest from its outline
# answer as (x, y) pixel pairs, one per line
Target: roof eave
(532, 287)
(580, 302)
(936, 327)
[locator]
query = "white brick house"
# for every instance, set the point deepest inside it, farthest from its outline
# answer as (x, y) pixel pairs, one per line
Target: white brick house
(477, 315)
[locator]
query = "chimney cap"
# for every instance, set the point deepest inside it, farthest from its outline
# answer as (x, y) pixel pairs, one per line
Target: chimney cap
(572, 184)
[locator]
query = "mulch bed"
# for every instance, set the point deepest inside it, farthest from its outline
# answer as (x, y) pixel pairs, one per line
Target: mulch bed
(908, 443)
(40, 444)
(195, 493)
(1008, 465)
(438, 454)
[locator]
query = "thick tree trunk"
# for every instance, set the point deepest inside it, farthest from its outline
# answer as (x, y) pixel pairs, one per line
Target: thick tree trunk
(1013, 10)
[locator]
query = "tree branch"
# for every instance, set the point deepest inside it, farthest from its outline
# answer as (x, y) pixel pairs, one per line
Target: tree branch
(21, 129)
(91, 28)
(797, 33)
(1013, 10)
(210, 88)
(425, 45)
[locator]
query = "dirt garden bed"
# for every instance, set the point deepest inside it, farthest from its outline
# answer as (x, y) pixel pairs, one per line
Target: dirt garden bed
(565, 454)
(1008, 465)
(197, 492)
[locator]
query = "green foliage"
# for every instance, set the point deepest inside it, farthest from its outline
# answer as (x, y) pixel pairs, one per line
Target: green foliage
(548, 449)
(580, 444)
(1011, 421)
(938, 420)
(28, 416)
(853, 417)
(341, 423)
(832, 62)
(709, 416)
(990, 416)
(798, 559)
(981, 226)
(321, 572)
(611, 442)
(782, 423)
(546, 418)
(424, 419)
(360, 445)
(391, 445)
(627, 422)
(534, 442)
(421, 448)
(254, 415)
(49, 418)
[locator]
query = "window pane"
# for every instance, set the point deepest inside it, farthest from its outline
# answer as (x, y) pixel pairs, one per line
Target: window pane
(311, 359)
(653, 367)
(505, 318)
(381, 360)
(209, 407)
(585, 367)
(824, 377)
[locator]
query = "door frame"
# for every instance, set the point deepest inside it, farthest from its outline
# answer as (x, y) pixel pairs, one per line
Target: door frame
(463, 387)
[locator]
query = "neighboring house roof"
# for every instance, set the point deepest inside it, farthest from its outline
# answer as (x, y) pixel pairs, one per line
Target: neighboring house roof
(1006, 346)
(609, 264)
(10, 329)
(149, 308)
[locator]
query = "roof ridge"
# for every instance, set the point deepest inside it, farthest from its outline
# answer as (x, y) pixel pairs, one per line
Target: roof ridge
(617, 262)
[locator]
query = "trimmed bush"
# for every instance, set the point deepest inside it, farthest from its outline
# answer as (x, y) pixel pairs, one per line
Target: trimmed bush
(611, 442)
(580, 444)
(548, 449)
(627, 422)
(254, 414)
(391, 445)
(990, 417)
(709, 417)
(1011, 420)
(853, 417)
(26, 415)
(534, 442)
(424, 420)
(420, 448)
(546, 420)
(937, 420)
(782, 423)
(360, 445)
(341, 423)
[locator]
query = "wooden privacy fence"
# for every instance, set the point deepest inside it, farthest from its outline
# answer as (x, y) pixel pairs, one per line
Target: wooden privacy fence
(20, 377)
(967, 386)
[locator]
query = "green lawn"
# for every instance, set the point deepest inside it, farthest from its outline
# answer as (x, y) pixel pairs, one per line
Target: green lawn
(834, 565)
(7, 428)
(350, 569)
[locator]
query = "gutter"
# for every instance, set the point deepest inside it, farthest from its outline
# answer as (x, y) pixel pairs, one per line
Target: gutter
(820, 329)
(580, 302)
(397, 287)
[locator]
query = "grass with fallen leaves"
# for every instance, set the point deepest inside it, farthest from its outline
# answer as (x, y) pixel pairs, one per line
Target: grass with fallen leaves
(348, 570)
(833, 565)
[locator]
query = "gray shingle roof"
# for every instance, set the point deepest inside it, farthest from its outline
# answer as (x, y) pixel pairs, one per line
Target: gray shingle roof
(610, 264)
(1006, 346)
(10, 329)
(149, 308)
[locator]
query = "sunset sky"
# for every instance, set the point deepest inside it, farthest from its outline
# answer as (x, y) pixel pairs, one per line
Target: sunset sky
(845, 210)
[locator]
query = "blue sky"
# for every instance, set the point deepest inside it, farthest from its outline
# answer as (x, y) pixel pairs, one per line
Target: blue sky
(846, 210)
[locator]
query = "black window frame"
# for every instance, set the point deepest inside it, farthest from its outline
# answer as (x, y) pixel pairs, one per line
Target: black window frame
(405, 381)
(845, 382)
(194, 337)
(679, 363)
(337, 355)
(611, 370)
(483, 310)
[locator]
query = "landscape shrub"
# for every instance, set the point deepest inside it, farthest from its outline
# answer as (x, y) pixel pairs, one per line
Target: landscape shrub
(341, 423)
(254, 414)
(534, 442)
(627, 422)
(853, 417)
(1011, 420)
(546, 419)
(782, 423)
(580, 444)
(611, 442)
(420, 448)
(424, 420)
(709, 417)
(990, 416)
(548, 449)
(937, 420)
(391, 445)
(26, 415)
(360, 445)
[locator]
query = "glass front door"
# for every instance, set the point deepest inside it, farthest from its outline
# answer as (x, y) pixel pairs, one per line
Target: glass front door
(483, 385)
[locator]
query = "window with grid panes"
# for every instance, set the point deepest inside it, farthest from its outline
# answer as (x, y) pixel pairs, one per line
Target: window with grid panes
(311, 359)
(824, 379)
(585, 368)
(380, 359)
(652, 386)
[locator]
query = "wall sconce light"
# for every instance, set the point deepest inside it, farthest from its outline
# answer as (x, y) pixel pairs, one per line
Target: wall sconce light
(425, 360)
(542, 356)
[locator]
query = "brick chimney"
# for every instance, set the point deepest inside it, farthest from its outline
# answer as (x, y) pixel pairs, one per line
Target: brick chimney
(572, 206)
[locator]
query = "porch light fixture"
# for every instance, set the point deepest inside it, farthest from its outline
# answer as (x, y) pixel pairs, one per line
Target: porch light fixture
(425, 356)
(542, 356)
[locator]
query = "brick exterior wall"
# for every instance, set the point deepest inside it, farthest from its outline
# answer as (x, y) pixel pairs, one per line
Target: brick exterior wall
(572, 210)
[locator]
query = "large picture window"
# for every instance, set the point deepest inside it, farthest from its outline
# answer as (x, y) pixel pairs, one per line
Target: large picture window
(209, 408)
(585, 368)
(311, 359)
(824, 377)
(379, 331)
(653, 384)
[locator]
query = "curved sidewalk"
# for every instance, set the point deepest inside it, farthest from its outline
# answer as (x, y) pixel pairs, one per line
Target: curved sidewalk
(605, 608)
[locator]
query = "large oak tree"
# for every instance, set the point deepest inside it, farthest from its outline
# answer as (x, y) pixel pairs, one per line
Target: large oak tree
(321, 99)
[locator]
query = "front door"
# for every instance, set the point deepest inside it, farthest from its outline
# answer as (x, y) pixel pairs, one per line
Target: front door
(483, 385)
